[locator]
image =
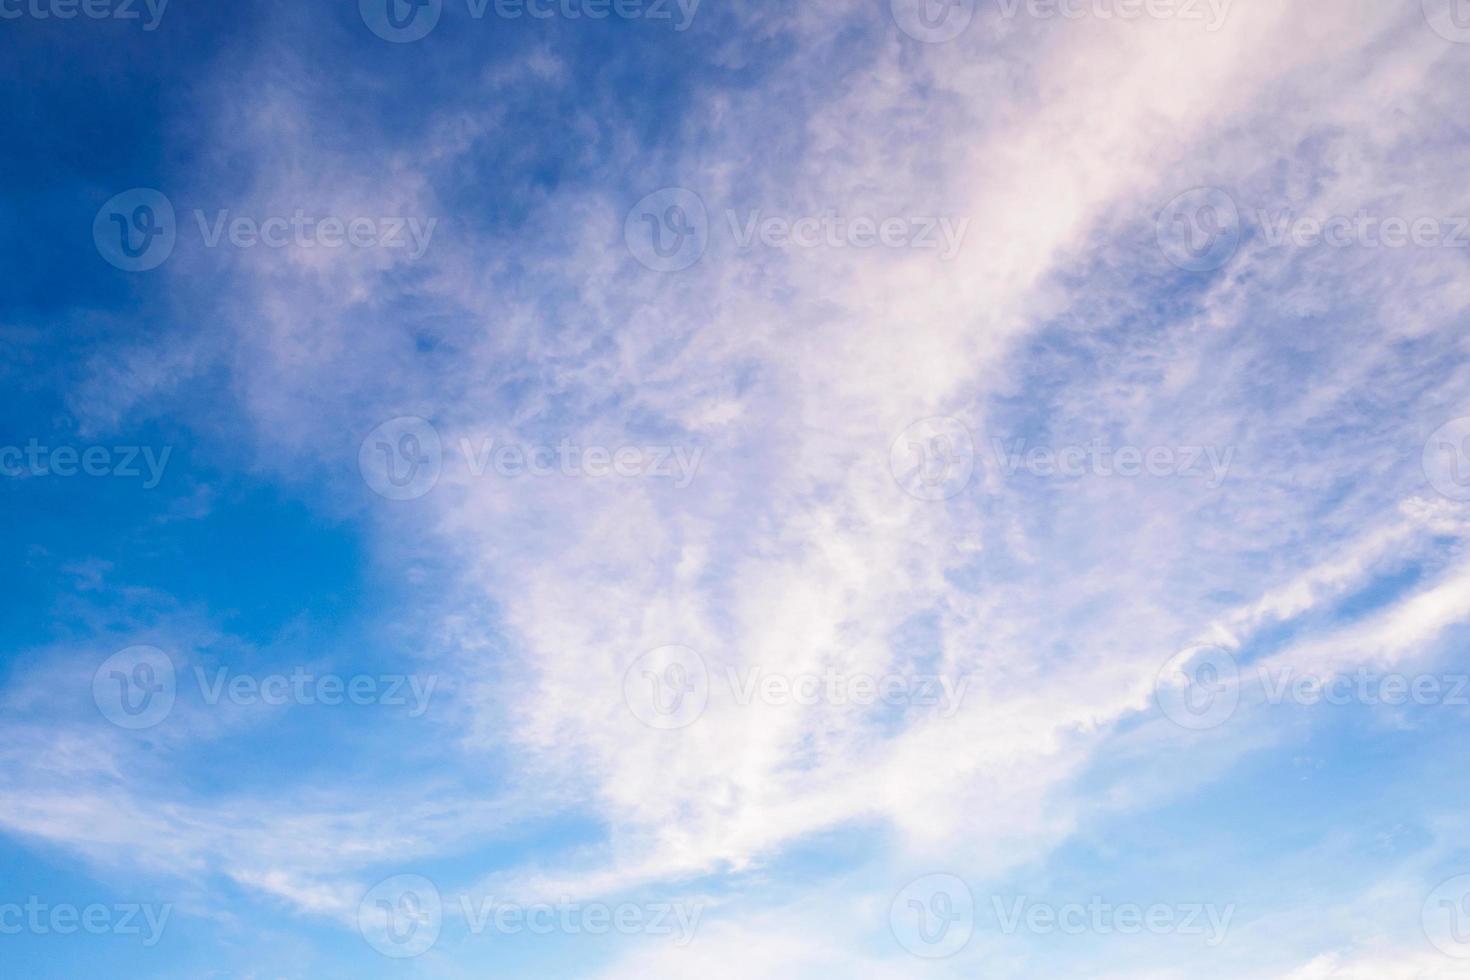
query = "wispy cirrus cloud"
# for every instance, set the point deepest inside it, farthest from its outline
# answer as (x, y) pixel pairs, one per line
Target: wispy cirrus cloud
(1310, 377)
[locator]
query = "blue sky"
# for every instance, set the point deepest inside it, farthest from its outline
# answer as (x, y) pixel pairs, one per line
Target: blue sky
(876, 489)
